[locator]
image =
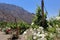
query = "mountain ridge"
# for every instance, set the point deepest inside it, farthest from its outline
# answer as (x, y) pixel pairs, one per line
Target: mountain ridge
(9, 12)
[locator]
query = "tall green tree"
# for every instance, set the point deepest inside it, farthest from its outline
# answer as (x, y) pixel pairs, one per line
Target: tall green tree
(38, 18)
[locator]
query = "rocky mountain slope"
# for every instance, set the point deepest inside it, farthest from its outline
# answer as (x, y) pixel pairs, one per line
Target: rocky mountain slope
(10, 12)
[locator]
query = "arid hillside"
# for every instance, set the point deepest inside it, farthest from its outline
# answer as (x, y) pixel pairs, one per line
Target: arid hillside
(10, 12)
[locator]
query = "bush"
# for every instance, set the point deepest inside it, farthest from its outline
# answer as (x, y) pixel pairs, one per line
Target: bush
(23, 26)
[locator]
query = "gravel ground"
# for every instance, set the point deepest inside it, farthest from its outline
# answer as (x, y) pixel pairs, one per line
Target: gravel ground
(3, 36)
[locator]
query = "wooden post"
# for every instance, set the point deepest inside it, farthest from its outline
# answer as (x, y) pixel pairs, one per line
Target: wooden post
(17, 33)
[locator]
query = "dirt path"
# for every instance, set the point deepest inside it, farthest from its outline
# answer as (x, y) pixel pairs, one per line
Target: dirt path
(3, 36)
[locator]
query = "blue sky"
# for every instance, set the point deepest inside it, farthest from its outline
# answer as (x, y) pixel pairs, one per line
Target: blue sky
(52, 6)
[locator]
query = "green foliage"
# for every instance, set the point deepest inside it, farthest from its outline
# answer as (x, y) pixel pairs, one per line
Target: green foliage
(22, 25)
(52, 30)
(3, 24)
(53, 22)
(38, 18)
(35, 26)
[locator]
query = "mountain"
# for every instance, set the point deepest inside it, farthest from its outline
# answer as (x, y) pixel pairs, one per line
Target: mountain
(10, 12)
